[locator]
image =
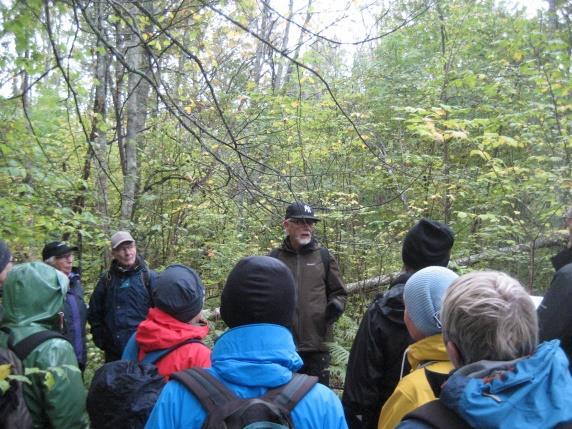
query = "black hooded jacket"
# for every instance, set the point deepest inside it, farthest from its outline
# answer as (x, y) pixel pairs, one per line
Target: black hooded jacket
(374, 365)
(554, 315)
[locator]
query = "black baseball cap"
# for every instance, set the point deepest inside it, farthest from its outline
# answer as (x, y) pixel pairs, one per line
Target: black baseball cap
(56, 248)
(299, 210)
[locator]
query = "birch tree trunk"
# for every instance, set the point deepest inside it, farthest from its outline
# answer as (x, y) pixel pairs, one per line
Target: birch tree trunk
(136, 106)
(98, 134)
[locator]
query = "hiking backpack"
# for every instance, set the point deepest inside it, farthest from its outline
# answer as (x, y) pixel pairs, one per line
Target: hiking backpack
(123, 393)
(14, 413)
(226, 410)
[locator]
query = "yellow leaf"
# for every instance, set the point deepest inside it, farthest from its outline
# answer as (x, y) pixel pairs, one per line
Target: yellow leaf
(518, 56)
(5, 371)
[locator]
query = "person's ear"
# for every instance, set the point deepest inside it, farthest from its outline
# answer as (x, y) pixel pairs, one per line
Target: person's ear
(454, 354)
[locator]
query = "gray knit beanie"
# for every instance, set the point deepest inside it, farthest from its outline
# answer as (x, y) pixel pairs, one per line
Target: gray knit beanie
(423, 296)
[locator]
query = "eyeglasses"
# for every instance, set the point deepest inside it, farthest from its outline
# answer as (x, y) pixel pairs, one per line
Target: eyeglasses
(309, 222)
(125, 247)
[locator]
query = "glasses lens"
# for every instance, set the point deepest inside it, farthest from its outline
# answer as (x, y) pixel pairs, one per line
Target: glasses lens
(303, 221)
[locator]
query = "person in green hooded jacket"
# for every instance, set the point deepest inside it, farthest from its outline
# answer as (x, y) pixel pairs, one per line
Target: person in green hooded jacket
(33, 300)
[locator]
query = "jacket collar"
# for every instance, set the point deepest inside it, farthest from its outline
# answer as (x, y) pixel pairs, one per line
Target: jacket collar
(311, 246)
(138, 266)
(426, 350)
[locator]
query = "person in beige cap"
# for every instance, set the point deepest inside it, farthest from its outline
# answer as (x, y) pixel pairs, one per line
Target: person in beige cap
(122, 297)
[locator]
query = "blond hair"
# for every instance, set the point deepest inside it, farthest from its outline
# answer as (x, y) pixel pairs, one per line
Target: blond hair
(488, 315)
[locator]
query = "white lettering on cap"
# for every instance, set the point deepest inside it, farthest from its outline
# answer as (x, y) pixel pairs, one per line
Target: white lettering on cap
(307, 208)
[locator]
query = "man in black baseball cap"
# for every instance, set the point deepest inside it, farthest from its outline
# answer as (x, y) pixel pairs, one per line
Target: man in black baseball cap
(60, 255)
(321, 294)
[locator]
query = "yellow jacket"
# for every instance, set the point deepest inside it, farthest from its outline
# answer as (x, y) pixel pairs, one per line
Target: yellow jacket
(413, 390)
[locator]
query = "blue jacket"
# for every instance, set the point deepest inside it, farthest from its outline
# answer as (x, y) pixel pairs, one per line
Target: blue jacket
(119, 303)
(534, 392)
(250, 359)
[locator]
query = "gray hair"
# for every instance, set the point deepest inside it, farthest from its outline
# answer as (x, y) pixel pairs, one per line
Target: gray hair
(488, 315)
(51, 261)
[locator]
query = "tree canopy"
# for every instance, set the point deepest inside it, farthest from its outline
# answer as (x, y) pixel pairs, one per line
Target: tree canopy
(194, 123)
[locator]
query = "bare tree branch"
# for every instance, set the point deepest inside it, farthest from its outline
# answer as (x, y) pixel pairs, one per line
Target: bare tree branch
(384, 280)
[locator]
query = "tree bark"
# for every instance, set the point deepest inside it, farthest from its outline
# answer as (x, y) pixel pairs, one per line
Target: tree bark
(136, 104)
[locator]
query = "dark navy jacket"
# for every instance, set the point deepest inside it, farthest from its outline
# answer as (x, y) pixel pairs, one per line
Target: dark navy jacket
(119, 303)
(75, 315)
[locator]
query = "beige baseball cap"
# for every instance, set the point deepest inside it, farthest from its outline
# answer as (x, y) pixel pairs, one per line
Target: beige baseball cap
(120, 237)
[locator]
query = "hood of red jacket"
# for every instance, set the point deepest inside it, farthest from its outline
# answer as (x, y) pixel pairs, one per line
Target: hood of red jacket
(161, 330)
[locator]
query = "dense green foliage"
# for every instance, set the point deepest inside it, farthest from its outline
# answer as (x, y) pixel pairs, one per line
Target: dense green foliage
(463, 115)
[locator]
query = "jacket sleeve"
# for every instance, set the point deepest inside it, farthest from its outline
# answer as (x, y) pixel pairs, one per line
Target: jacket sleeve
(96, 313)
(335, 288)
(554, 318)
(63, 401)
(364, 373)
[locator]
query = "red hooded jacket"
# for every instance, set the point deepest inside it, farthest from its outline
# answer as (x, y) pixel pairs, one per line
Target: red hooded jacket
(161, 330)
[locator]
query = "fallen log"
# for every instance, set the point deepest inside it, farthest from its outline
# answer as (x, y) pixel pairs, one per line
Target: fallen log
(558, 239)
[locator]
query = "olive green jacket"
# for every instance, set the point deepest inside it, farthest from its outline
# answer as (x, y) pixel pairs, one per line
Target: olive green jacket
(315, 289)
(33, 296)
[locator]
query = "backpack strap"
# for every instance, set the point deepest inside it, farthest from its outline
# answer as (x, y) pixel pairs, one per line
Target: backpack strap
(325, 255)
(274, 253)
(156, 355)
(437, 416)
(24, 347)
(147, 283)
(211, 392)
(289, 394)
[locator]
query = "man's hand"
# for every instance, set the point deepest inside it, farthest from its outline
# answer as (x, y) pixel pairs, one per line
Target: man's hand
(334, 310)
